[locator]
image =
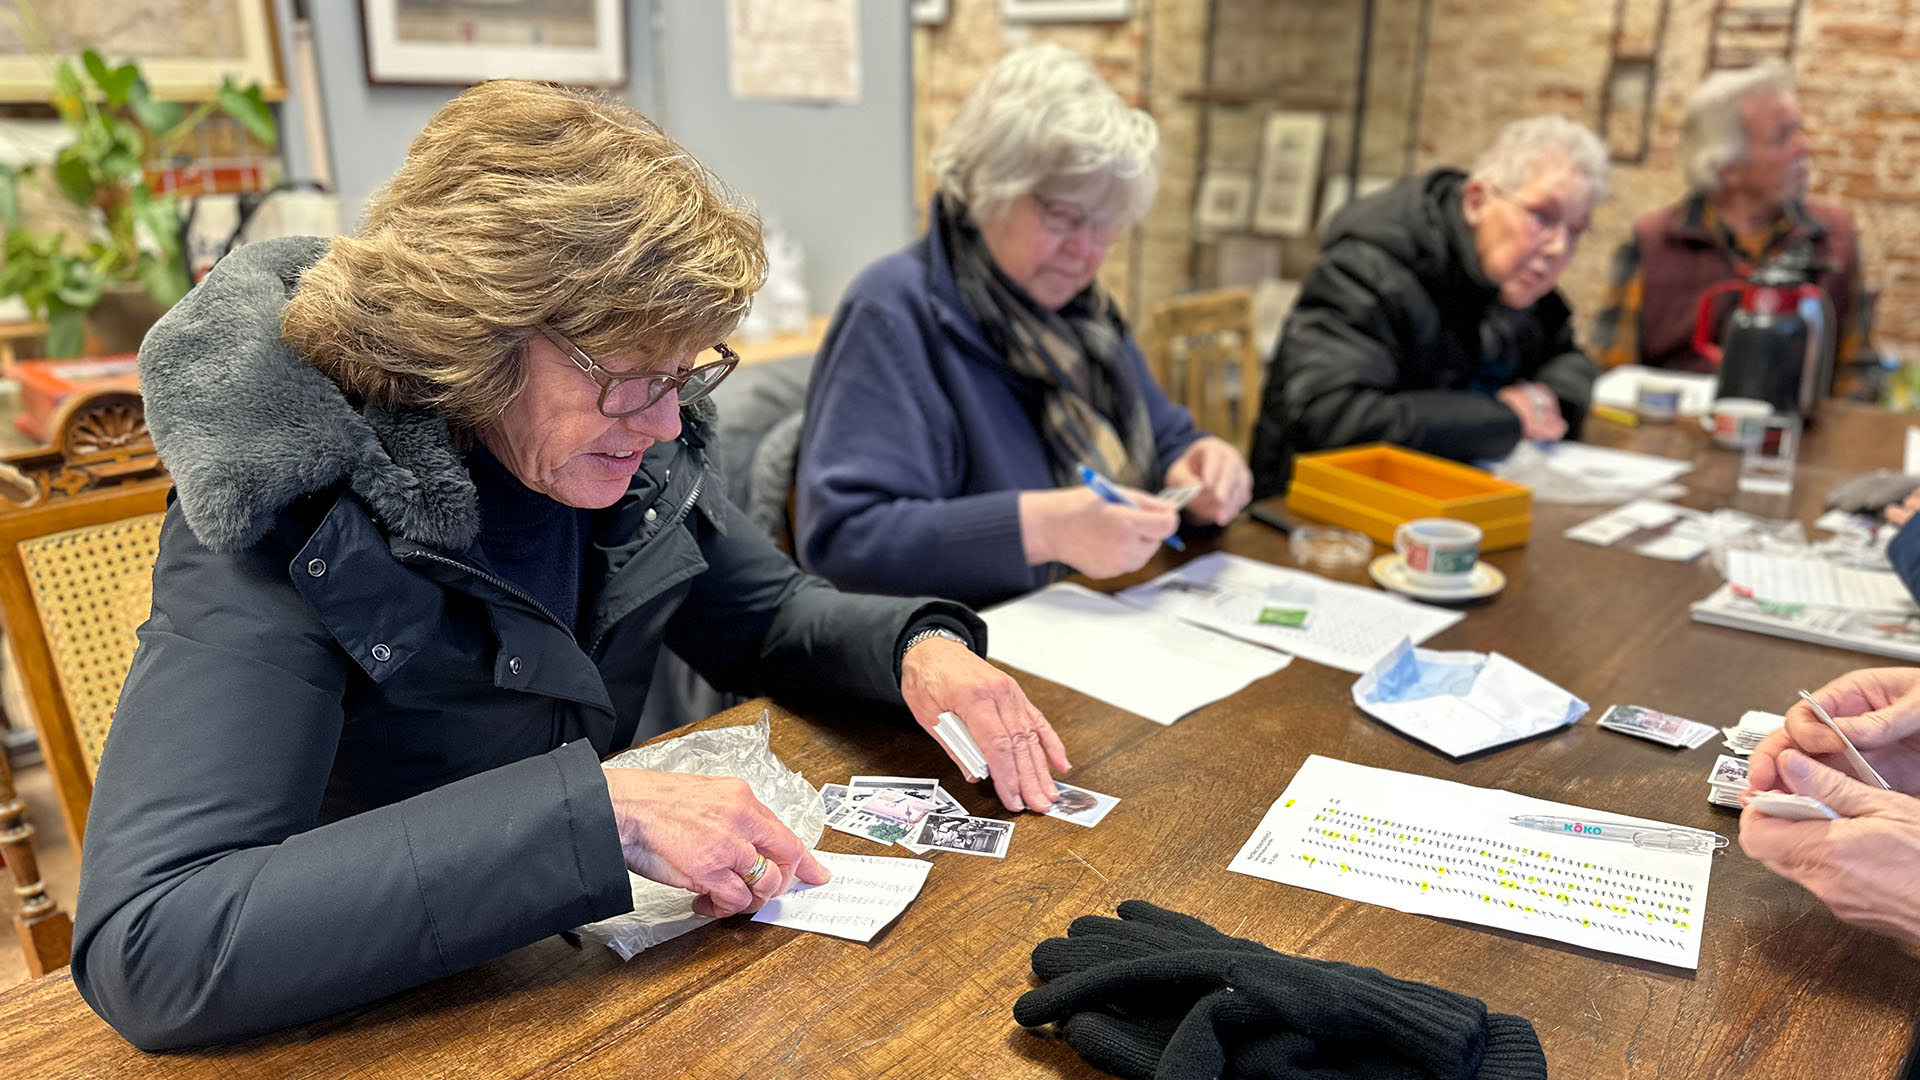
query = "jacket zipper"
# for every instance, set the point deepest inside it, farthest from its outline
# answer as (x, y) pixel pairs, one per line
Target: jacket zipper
(500, 583)
(679, 515)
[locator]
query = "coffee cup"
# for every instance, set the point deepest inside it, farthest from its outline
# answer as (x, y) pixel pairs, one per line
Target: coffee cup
(1737, 422)
(1440, 553)
(1659, 400)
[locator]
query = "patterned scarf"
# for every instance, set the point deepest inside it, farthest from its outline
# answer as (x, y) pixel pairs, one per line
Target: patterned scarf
(1072, 355)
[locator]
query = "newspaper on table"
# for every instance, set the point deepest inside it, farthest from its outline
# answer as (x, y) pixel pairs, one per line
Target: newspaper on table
(1811, 580)
(1892, 634)
(1592, 878)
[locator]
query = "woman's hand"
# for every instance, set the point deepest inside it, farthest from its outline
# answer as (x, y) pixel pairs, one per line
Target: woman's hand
(1225, 481)
(939, 676)
(1898, 513)
(705, 834)
(1878, 708)
(1537, 408)
(1865, 866)
(1074, 525)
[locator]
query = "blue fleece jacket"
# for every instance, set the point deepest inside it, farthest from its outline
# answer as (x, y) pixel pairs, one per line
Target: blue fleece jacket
(1904, 553)
(919, 439)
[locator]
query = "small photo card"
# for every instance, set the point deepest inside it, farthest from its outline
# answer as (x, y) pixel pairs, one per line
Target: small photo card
(1080, 806)
(968, 835)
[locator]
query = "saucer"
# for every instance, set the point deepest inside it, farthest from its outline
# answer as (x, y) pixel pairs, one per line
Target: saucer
(1390, 570)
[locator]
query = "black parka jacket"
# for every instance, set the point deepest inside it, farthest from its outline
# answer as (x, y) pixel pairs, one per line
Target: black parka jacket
(1399, 336)
(348, 758)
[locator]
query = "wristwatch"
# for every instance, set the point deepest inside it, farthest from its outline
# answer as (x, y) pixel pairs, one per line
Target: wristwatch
(933, 632)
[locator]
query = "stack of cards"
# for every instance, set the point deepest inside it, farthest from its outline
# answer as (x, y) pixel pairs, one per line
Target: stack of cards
(953, 734)
(915, 813)
(1656, 726)
(1180, 496)
(1753, 726)
(1727, 781)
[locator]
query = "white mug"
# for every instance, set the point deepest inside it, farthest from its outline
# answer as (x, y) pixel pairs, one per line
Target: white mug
(1440, 553)
(1738, 422)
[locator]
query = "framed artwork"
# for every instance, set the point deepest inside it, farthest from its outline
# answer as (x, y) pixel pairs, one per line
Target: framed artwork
(462, 42)
(1064, 10)
(183, 47)
(1290, 145)
(930, 12)
(1225, 201)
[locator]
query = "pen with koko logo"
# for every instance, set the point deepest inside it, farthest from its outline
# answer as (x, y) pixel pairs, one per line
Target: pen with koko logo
(1649, 837)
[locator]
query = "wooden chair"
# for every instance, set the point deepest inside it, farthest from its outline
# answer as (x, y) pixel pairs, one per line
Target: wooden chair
(1200, 349)
(76, 579)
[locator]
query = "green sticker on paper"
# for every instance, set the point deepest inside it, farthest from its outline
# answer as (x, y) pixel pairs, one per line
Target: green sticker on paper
(1279, 616)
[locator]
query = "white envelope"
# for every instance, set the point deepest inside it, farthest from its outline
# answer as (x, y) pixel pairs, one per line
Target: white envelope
(1460, 703)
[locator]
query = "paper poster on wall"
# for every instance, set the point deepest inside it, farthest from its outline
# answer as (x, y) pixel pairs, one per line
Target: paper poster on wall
(1290, 145)
(1064, 10)
(1246, 260)
(794, 50)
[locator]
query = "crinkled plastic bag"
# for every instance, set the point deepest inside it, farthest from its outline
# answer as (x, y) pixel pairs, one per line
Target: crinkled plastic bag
(661, 912)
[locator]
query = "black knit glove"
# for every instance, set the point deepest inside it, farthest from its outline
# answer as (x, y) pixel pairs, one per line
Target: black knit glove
(1157, 994)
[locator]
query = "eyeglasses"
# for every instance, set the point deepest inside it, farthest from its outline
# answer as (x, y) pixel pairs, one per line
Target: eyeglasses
(1064, 219)
(1545, 223)
(624, 395)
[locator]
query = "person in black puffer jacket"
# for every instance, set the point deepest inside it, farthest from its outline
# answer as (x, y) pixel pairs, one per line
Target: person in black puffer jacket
(1431, 320)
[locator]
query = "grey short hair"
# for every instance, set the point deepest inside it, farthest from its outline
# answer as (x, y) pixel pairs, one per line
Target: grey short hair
(1525, 147)
(1043, 117)
(1713, 134)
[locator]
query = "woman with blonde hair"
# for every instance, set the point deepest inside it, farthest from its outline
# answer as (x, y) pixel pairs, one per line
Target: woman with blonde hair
(442, 495)
(966, 381)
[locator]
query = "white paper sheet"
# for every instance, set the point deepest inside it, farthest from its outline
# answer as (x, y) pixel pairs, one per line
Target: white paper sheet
(866, 893)
(1620, 388)
(1434, 847)
(1910, 460)
(1570, 472)
(1149, 664)
(795, 51)
(1350, 626)
(1792, 579)
(1460, 703)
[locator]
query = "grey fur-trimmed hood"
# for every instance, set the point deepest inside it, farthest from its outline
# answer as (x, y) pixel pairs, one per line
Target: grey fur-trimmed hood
(246, 426)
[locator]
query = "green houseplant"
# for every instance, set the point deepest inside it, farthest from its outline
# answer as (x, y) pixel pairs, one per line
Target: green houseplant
(131, 234)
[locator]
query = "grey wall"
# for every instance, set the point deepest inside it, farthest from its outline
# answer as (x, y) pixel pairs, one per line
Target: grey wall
(836, 177)
(839, 178)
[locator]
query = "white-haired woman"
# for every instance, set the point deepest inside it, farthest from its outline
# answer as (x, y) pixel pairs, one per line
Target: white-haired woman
(1430, 319)
(966, 380)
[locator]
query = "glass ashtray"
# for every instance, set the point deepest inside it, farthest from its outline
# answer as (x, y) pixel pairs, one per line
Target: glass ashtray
(1330, 548)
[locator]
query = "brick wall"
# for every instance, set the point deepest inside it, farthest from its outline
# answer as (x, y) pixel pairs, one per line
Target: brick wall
(1486, 62)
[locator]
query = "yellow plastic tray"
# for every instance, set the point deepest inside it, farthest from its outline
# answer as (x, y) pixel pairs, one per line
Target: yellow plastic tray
(1374, 488)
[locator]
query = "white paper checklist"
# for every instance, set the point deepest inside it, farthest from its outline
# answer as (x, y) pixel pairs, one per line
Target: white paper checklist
(866, 893)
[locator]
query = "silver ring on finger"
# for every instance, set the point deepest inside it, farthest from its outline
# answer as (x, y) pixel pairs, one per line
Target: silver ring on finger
(759, 870)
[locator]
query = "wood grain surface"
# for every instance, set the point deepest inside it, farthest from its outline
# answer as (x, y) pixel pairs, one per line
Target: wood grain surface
(1783, 989)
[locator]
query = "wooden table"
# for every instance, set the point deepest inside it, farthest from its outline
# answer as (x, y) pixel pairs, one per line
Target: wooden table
(1782, 989)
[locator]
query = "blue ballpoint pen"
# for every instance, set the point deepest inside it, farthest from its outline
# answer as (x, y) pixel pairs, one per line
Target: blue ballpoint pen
(1105, 489)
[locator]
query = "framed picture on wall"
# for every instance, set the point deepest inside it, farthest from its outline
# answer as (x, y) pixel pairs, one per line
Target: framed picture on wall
(1290, 145)
(183, 47)
(462, 42)
(1065, 10)
(1225, 201)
